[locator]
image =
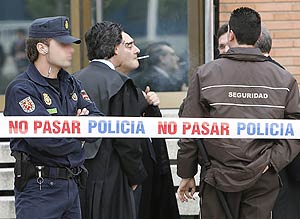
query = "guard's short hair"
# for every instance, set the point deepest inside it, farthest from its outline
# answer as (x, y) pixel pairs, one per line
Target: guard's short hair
(246, 25)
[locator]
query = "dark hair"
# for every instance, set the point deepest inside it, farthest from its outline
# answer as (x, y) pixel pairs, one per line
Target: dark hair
(223, 29)
(264, 42)
(31, 50)
(102, 38)
(155, 50)
(246, 25)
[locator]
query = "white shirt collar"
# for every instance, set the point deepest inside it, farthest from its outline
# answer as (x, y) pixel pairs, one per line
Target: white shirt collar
(106, 62)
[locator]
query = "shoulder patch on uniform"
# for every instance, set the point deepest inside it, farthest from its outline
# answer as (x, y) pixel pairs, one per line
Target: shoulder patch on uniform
(47, 99)
(27, 105)
(85, 96)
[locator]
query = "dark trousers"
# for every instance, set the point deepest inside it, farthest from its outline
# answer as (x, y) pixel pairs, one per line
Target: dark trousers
(57, 199)
(287, 205)
(254, 203)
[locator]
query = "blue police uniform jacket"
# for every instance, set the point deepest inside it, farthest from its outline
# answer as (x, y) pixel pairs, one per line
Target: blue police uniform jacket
(31, 95)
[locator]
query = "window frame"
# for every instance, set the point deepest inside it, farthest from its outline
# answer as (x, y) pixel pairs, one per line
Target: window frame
(80, 24)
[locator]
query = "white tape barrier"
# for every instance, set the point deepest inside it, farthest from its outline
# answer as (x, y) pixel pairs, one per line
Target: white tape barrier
(140, 127)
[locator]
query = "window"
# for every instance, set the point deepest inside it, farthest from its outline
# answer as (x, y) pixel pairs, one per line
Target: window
(14, 23)
(176, 22)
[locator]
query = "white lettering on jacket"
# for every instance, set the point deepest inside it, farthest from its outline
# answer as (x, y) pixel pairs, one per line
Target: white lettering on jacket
(247, 95)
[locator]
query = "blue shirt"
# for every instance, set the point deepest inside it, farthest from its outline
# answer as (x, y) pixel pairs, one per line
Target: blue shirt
(31, 95)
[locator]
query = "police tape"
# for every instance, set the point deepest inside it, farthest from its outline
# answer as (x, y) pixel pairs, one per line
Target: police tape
(144, 127)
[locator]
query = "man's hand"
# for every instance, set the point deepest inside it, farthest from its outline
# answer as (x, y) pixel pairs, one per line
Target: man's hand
(184, 193)
(82, 112)
(151, 97)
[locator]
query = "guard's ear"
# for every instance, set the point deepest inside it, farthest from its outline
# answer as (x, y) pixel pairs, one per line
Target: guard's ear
(42, 48)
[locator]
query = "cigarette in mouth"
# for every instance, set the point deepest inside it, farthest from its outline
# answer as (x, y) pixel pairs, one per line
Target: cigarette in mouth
(143, 57)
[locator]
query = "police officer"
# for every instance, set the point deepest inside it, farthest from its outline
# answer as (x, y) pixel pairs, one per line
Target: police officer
(48, 170)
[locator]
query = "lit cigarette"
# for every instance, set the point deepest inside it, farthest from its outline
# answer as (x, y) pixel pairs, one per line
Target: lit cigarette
(143, 57)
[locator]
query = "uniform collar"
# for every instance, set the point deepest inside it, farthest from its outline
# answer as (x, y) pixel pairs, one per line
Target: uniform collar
(36, 76)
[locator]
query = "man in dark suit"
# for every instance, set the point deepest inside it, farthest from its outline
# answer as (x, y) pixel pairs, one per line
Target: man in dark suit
(117, 167)
(156, 196)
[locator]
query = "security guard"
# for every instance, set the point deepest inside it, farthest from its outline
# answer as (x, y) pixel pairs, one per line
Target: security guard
(48, 170)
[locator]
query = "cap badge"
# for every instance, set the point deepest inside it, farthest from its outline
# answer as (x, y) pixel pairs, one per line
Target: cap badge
(27, 105)
(66, 24)
(47, 99)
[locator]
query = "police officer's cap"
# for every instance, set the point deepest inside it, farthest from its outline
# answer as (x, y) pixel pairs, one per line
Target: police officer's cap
(57, 28)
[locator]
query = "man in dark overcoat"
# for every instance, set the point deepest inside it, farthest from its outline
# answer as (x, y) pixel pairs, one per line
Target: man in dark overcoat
(117, 167)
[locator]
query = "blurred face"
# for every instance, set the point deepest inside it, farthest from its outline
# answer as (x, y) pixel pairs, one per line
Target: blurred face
(170, 60)
(59, 55)
(223, 43)
(127, 53)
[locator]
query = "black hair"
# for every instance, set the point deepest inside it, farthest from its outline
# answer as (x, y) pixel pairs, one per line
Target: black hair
(246, 25)
(264, 42)
(102, 38)
(223, 29)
